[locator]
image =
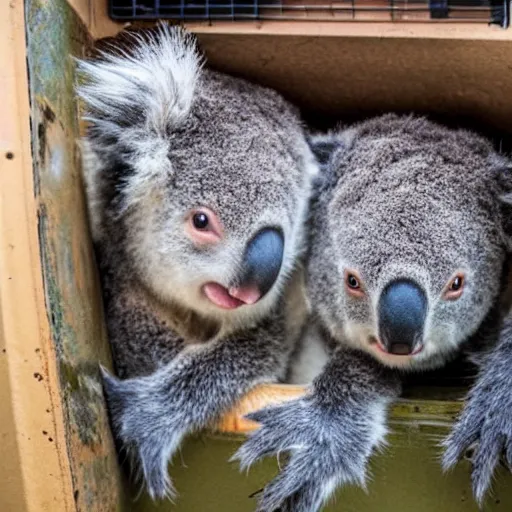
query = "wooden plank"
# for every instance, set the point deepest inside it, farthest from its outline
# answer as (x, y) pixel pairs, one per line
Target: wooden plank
(35, 473)
(357, 29)
(94, 15)
(262, 396)
(350, 78)
(71, 285)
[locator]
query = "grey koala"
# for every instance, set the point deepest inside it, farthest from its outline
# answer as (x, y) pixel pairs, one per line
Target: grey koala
(407, 267)
(198, 186)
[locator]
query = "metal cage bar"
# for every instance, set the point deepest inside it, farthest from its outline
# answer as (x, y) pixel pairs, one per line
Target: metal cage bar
(495, 12)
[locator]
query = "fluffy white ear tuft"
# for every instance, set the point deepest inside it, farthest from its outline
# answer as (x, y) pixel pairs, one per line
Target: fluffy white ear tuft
(149, 87)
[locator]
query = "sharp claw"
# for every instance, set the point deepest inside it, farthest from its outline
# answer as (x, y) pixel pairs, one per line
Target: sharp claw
(484, 464)
(256, 493)
(455, 445)
(508, 454)
(252, 451)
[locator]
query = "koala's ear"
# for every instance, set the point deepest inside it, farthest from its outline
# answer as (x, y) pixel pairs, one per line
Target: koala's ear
(327, 148)
(324, 146)
(139, 93)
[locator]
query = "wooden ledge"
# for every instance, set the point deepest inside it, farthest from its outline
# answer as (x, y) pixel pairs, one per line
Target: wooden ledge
(423, 411)
(349, 29)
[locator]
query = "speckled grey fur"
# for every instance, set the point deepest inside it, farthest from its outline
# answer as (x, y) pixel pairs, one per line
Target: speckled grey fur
(401, 197)
(167, 136)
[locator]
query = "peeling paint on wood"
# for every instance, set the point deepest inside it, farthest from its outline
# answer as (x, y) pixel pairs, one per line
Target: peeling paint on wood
(54, 35)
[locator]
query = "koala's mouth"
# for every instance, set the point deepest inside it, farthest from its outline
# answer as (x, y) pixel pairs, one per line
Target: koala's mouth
(231, 298)
(399, 352)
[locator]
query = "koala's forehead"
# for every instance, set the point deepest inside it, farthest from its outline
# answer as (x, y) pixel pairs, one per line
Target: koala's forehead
(401, 230)
(396, 168)
(394, 160)
(231, 156)
(427, 199)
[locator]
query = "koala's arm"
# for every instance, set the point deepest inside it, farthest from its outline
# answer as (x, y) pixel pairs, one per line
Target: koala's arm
(150, 415)
(329, 434)
(486, 421)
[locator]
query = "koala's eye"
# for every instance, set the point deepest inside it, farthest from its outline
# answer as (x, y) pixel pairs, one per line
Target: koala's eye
(353, 283)
(200, 220)
(456, 284)
(454, 288)
(203, 227)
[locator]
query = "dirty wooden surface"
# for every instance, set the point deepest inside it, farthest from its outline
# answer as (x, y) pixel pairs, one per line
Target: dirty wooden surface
(34, 472)
(54, 35)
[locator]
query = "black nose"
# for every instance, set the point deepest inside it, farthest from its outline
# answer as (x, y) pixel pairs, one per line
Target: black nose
(262, 260)
(402, 311)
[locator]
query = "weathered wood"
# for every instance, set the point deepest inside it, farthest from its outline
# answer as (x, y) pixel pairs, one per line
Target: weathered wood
(71, 289)
(35, 474)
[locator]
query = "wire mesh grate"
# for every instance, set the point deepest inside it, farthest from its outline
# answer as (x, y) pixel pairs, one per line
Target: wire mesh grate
(495, 12)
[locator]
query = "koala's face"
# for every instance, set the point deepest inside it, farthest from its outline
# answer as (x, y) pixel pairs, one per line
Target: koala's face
(215, 181)
(220, 230)
(408, 251)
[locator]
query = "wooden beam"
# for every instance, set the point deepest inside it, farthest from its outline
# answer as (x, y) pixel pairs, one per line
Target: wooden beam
(34, 471)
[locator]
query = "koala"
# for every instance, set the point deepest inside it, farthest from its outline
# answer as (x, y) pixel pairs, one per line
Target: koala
(408, 267)
(198, 186)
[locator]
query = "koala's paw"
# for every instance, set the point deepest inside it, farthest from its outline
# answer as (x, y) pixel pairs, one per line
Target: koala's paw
(146, 429)
(484, 433)
(327, 447)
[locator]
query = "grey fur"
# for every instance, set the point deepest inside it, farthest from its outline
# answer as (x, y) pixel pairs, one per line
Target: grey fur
(401, 197)
(329, 435)
(167, 136)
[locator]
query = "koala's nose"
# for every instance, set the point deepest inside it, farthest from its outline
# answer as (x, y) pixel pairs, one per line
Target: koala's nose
(402, 310)
(261, 263)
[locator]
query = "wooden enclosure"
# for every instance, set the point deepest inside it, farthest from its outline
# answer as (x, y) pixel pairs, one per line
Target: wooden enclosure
(56, 449)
